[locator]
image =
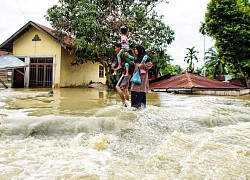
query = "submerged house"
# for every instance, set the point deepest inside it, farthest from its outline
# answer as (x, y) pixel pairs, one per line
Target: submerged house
(48, 59)
(188, 83)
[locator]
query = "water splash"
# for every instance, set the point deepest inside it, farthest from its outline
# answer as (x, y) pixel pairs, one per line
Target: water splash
(176, 137)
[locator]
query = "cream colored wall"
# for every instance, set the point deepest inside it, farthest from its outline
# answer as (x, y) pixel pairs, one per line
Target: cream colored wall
(78, 75)
(47, 47)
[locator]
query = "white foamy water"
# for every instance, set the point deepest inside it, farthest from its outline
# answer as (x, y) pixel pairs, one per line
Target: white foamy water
(86, 134)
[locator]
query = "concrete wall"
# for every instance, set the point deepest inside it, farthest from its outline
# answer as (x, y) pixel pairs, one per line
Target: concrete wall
(78, 75)
(237, 92)
(223, 93)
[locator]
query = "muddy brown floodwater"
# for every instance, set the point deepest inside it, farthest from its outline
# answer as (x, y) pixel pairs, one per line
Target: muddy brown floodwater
(79, 133)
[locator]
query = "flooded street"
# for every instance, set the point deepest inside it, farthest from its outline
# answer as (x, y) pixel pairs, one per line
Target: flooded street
(80, 133)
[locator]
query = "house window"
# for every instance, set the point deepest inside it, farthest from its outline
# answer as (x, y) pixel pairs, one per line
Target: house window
(41, 72)
(101, 71)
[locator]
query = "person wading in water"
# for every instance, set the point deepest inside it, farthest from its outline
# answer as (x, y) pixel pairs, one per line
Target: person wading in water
(123, 83)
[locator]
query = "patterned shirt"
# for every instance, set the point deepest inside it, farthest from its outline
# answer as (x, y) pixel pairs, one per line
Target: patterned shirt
(124, 42)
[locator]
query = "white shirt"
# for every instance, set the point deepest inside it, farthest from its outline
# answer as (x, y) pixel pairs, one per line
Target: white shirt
(124, 42)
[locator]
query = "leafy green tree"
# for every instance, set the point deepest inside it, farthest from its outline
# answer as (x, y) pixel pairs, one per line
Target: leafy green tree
(177, 70)
(168, 68)
(162, 60)
(95, 27)
(199, 71)
(228, 22)
(190, 57)
(213, 64)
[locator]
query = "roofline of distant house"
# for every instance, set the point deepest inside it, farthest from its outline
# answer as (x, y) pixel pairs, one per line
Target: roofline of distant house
(195, 88)
(206, 91)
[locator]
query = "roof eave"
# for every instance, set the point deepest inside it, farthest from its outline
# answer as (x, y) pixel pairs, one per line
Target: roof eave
(198, 88)
(8, 44)
(64, 45)
(16, 67)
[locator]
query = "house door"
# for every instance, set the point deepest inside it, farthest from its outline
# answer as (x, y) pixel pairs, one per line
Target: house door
(41, 72)
(18, 77)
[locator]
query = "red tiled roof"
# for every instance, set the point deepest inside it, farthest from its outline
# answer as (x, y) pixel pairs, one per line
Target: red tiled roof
(68, 40)
(189, 80)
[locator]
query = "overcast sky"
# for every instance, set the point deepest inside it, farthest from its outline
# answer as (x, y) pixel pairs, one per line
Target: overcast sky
(183, 16)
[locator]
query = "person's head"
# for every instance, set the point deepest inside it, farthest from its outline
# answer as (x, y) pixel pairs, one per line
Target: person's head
(117, 47)
(140, 53)
(139, 50)
(124, 30)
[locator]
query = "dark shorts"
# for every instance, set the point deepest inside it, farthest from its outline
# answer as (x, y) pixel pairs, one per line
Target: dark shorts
(124, 81)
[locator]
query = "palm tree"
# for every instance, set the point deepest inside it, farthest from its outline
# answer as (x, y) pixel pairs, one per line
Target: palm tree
(203, 31)
(214, 65)
(190, 57)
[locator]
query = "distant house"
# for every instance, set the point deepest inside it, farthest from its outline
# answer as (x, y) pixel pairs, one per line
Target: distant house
(194, 84)
(48, 59)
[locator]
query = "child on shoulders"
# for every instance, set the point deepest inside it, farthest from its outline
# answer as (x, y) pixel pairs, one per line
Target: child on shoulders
(124, 47)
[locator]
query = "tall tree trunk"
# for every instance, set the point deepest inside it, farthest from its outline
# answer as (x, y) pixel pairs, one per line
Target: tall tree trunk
(111, 79)
(243, 74)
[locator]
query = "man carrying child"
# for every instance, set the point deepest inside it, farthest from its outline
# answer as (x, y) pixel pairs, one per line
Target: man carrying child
(127, 68)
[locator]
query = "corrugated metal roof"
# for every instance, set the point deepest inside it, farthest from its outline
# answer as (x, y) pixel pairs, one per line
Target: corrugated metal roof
(9, 61)
(189, 80)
